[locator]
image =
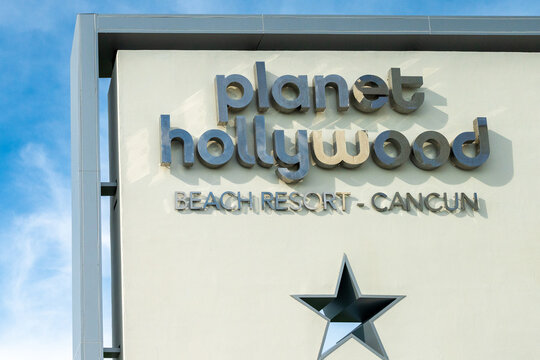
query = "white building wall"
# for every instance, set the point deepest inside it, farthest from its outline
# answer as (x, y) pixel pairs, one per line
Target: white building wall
(217, 285)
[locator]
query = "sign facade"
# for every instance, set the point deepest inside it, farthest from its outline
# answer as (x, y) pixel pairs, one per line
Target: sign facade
(236, 205)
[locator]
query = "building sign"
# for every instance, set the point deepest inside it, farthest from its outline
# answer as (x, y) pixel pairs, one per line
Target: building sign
(259, 191)
(369, 94)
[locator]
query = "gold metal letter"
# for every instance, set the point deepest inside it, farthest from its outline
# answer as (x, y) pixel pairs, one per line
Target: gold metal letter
(341, 156)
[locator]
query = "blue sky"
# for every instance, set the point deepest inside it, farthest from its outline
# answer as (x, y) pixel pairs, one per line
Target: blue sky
(35, 224)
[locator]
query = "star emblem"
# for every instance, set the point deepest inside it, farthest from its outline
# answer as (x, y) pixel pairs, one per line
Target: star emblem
(349, 314)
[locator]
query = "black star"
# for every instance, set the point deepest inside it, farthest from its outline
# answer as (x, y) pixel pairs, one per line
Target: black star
(349, 314)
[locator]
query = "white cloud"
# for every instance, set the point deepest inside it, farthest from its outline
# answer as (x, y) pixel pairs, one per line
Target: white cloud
(36, 265)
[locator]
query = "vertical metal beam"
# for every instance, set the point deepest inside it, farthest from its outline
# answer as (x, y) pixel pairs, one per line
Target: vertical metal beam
(116, 266)
(85, 183)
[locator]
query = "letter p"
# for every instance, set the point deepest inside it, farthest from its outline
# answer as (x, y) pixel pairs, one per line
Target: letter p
(225, 102)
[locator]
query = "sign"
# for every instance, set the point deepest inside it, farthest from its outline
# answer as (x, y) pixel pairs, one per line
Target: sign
(369, 94)
(400, 190)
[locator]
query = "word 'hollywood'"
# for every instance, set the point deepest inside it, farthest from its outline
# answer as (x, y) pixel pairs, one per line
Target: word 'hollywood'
(368, 94)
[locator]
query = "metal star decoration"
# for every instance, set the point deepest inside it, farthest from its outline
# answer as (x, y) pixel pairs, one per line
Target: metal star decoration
(349, 314)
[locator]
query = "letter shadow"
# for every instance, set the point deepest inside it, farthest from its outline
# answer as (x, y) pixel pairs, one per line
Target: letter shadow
(429, 116)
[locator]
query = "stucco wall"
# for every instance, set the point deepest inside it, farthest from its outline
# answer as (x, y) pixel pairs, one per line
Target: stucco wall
(217, 285)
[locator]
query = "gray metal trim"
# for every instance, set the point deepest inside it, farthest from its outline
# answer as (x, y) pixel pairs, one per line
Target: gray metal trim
(109, 188)
(336, 25)
(313, 32)
(116, 266)
(230, 24)
(485, 25)
(318, 24)
(111, 353)
(86, 194)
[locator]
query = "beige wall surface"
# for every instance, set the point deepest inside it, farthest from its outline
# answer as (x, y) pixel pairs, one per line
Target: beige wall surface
(218, 285)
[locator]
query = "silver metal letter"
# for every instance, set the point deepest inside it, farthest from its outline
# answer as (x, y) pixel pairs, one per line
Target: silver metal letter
(419, 158)
(340, 86)
(369, 93)
(428, 205)
(180, 202)
(397, 83)
(480, 138)
(417, 204)
(263, 102)
(401, 144)
(374, 204)
(262, 156)
(168, 136)
(194, 199)
(286, 161)
(328, 198)
(306, 201)
(466, 200)
(267, 199)
(224, 203)
(244, 157)
(398, 201)
(343, 196)
(298, 203)
(299, 85)
(222, 139)
(248, 200)
(281, 201)
(214, 201)
(224, 102)
(242, 200)
(447, 203)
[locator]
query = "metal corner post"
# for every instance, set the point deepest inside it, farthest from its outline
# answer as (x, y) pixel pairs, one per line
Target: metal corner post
(86, 199)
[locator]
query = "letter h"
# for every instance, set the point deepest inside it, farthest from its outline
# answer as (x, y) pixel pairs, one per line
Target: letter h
(169, 135)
